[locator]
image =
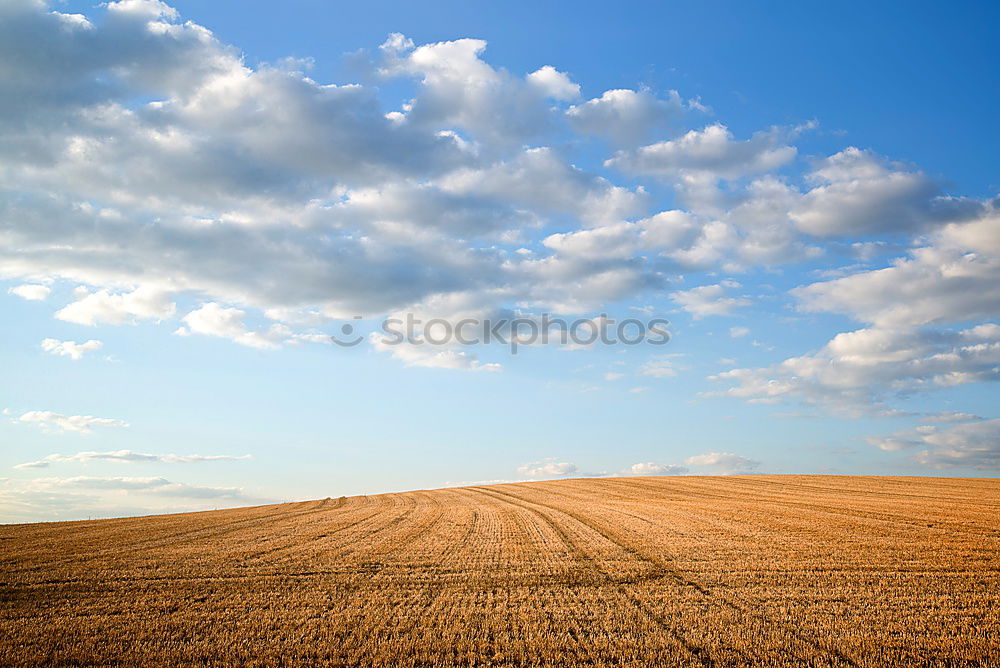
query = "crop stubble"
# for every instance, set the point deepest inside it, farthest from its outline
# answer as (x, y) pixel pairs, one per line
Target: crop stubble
(644, 571)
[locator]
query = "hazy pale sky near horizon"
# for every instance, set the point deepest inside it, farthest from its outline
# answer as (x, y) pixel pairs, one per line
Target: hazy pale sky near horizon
(196, 196)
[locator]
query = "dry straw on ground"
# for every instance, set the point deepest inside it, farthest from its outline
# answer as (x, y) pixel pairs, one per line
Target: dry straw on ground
(777, 570)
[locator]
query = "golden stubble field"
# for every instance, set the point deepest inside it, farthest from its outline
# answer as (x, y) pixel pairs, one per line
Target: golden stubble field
(774, 570)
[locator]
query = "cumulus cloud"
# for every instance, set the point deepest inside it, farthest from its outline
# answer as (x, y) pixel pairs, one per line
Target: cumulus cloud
(857, 371)
(951, 279)
(738, 332)
(853, 193)
(93, 308)
(712, 152)
(753, 232)
(138, 146)
(622, 240)
(30, 292)
(627, 117)
(222, 143)
(547, 468)
(974, 445)
(722, 462)
(124, 456)
(71, 349)
(710, 299)
(539, 180)
(458, 89)
(263, 188)
(553, 83)
(650, 469)
(858, 192)
(215, 320)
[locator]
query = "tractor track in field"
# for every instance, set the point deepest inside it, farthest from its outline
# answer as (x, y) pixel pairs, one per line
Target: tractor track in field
(663, 567)
(698, 653)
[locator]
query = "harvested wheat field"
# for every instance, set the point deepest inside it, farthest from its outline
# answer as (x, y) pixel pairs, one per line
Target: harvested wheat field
(643, 571)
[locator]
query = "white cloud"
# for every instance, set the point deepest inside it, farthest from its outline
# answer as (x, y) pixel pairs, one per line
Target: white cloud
(212, 319)
(459, 89)
(952, 279)
(540, 181)
(723, 462)
(650, 468)
(154, 485)
(742, 228)
(613, 375)
(738, 332)
(548, 468)
(858, 192)
(93, 308)
(756, 231)
(73, 350)
(82, 424)
(712, 152)
(574, 285)
(553, 83)
(116, 483)
(899, 440)
(185, 183)
(30, 292)
(623, 240)
(627, 117)
(435, 357)
(856, 371)
(124, 456)
(974, 445)
(710, 299)
(138, 146)
(82, 497)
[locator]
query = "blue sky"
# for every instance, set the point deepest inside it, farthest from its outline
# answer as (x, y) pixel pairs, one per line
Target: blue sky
(197, 196)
